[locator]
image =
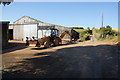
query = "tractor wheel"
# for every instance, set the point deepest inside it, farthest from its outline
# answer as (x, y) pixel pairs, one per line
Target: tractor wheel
(57, 41)
(27, 43)
(46, 44)
(38, 44)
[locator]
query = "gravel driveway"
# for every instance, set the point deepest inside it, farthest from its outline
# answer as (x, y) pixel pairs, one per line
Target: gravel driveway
(90, 59)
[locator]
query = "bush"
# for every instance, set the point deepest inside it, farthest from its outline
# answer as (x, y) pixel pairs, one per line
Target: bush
(105, 33)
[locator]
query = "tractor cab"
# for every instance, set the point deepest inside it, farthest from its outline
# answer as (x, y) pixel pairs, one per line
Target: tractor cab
(54, 32)
(53, 35)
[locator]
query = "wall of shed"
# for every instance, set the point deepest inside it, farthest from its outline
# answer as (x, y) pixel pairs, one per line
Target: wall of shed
(4, 35)
(29, 31)
(20, 32)
(28, 20)
(25, 20)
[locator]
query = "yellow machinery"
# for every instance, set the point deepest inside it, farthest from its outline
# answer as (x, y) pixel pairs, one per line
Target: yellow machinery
(47, 41)
(52, 40)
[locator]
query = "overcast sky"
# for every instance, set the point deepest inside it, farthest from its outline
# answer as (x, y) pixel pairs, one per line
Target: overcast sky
(86, 14)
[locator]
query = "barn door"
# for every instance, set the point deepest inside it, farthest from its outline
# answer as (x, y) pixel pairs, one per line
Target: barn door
(29, 31)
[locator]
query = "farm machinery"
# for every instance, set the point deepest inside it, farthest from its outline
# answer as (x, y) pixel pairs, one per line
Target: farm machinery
(47, 41)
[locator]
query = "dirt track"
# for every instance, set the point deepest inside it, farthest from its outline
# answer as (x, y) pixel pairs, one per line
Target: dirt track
(90, 59)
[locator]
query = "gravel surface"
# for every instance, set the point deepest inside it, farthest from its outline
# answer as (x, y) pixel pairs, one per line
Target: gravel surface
(90, 59)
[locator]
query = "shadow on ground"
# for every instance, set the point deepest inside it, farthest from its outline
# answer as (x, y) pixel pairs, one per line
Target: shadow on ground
(41, 48)
(12, 46)
(75, 62)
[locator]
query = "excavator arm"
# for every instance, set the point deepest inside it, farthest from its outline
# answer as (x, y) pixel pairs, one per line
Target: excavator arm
(64, 33)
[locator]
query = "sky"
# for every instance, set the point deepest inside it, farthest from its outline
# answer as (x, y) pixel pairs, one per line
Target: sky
(66, 0)
(69, 14)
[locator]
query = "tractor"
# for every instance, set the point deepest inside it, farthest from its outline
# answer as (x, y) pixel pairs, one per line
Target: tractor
(47, 41)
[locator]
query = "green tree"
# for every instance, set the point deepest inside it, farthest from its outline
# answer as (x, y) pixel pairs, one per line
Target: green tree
(93, 28)
(88, 28)
(106, 31)
(109, 27)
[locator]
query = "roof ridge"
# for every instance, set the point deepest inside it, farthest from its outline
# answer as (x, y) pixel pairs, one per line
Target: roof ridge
(32, 19)
(37, 21)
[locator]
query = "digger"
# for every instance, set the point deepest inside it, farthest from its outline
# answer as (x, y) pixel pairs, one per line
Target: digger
(48, 41)
(52, 40)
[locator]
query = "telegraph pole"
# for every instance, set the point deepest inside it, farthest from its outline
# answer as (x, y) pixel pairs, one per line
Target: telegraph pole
(102, 20)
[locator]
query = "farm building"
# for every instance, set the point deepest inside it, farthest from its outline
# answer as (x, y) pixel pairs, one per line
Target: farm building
(29, 27)
(4, 34)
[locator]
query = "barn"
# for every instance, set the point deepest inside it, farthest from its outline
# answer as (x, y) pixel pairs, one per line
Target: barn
(29, 27)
